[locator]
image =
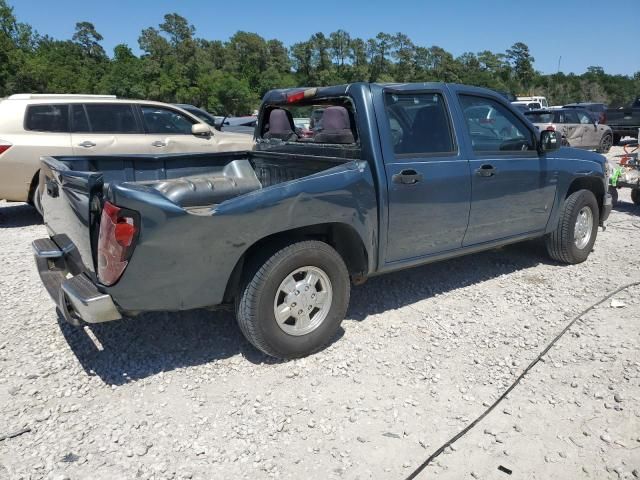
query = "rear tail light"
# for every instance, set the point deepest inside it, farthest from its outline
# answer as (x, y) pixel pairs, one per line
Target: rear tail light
(119, 228)
(4, 146)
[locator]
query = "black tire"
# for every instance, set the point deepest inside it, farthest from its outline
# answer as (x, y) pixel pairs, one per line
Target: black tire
(37, 203)
(616, 139)
(605, 143)
(34, 194)
(613, 191)
(635, 196)
(561, 244)
(255, 304)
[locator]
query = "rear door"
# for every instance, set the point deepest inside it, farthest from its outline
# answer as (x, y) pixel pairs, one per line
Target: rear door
(428, 179)
(571, 128)
(513, 191)
(590, 136)
(106, 129)
(169, 131)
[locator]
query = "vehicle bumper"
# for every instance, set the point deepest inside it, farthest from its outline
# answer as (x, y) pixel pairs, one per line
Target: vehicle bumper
(76, 296)
(607, 206)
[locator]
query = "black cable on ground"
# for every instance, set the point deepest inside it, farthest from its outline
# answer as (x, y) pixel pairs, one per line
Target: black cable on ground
(460, 434)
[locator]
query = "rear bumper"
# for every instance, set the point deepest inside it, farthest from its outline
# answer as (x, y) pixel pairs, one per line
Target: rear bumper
(76, 296)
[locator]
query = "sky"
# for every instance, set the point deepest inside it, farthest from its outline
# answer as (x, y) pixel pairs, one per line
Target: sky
(574, 33)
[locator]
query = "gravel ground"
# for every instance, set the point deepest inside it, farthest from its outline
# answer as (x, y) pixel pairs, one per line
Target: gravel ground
(422, 353)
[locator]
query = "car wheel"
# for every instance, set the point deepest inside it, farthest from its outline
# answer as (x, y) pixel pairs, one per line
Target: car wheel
(613, 191)
(573, 238)
(635, 196)
(292, 304)
(605, 143)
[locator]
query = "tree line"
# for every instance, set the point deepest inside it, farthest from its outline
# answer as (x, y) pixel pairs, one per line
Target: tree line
(230, 77)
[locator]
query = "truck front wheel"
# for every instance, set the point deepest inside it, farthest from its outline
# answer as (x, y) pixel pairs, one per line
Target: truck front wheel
(292, 305)
(573, 238)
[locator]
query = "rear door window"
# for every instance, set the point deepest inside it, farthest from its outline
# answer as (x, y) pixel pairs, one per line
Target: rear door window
(420, 124)
(584, 117)
(165, 121)
(79, 120)
(111, 118)
(47, 118)
(569, 116)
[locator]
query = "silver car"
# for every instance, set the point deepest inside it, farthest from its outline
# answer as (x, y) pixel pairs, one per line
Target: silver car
(578, 127)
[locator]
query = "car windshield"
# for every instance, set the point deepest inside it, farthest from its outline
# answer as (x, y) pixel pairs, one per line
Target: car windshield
(539, 117)
(202, 115)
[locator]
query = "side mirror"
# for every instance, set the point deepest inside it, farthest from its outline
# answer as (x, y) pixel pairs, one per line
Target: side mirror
(549, 141)
(200, 129)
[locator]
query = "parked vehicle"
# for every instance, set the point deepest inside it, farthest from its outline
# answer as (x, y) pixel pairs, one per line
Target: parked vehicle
(526, 105)
(624, 121)
(577, 127)
(597, 110)
(35, 125)
(536, 99)
(398, 176)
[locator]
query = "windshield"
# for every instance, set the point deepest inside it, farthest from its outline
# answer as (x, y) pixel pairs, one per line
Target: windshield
(539, 117)
(202, 115)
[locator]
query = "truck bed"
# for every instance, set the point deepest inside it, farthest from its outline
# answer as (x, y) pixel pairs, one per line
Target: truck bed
(195, 183)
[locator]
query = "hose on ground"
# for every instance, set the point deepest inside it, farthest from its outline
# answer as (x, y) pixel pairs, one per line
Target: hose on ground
(550, 345)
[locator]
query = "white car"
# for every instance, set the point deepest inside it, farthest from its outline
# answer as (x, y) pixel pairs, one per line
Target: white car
(35, 125)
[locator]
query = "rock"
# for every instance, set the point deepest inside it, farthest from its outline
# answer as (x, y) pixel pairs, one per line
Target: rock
(140, 449)
(618, 398)
(615, 303)
(605, 438)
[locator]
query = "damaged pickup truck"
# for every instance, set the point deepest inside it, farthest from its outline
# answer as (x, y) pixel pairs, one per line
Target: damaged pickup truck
(386, 177)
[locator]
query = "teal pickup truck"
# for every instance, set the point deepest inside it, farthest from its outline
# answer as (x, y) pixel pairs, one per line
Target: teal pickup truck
(386, 177)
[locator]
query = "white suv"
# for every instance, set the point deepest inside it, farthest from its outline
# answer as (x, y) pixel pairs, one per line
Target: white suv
(35, 125)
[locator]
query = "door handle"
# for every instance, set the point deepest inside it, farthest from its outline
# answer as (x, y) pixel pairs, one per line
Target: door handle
(159, 143)
(486, 170)
(407, 177)
(87, 144)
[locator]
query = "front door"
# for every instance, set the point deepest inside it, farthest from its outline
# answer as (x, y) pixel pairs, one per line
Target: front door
(428, 182)
(169, 131)
(513, 191)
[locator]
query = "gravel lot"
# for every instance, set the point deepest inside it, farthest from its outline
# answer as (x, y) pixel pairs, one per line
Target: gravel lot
(422, 353)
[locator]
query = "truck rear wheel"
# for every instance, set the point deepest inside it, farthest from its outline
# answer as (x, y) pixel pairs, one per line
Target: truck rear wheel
(635, 196)
(573, 239)
(293, 304)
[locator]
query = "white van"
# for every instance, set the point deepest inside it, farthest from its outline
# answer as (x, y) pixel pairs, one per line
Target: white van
(536, 99)
(33, 125)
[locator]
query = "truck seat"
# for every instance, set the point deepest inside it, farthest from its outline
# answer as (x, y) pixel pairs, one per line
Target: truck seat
(280, 126)
(336, 127)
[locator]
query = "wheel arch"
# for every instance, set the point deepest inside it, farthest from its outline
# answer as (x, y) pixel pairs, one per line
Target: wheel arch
(33, 186)
(594, 184)
(341, 236)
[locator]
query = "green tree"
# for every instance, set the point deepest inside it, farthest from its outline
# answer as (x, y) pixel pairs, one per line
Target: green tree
(522, 63)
